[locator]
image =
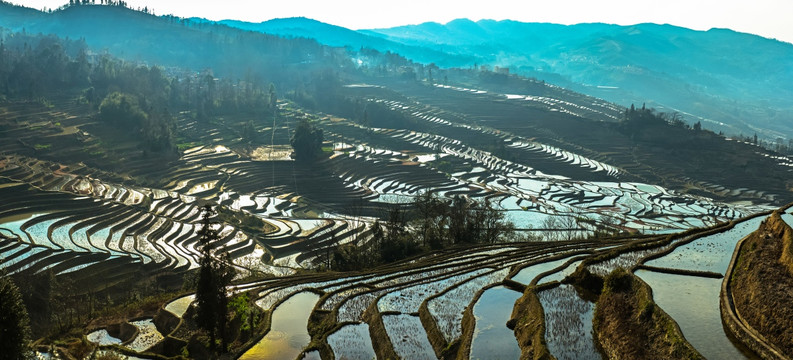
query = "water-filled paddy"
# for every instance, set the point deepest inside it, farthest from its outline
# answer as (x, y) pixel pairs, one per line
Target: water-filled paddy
(352, 342)
(312, 355)
(101, 337)
(38, 232)
(288, 334)
(408, 336)
(709, 253)
(526, 219)
(179, 306)
(14, 223)
(560, 275)
(693, 302)
(568, 324)
(527, 274)
(408, 300)
(788, 218)
(352, 309)
(447, 309)
(147, 335)
(492, 339)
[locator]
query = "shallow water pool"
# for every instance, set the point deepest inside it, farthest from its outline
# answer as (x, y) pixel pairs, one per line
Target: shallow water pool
(492, 338)
(693, 302)
(288, 334)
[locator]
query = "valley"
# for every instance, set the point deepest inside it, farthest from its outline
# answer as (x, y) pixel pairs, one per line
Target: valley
(386, 210)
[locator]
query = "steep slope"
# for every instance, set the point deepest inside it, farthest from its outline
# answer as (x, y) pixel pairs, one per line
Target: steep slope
(629, 325)
(759, 288)
(175, 42)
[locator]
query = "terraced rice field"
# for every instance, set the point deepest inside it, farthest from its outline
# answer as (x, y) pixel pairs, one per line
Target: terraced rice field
(710, 253)
(72, 217)
(481, 174)
(568, 324)
(418, 306)
(421, 308)
(694, 303)
(108, 228)
(692, 300)
(492, 339)
(288, 334)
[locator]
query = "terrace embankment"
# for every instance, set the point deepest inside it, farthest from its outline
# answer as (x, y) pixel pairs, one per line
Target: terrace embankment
(629, 325)
(528, 322)
(759, 288)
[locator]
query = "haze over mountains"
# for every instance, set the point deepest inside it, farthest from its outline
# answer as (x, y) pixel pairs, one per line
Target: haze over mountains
(397, 193)
(732, 82)
(735, 82)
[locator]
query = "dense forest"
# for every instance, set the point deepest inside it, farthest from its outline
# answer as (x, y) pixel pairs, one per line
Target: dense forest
(135, 98)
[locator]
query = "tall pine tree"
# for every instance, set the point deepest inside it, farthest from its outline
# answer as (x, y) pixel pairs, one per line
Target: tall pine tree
(14, 325)
(215, 274)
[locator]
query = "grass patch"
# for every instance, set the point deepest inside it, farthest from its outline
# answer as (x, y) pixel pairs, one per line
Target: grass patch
(186, 145)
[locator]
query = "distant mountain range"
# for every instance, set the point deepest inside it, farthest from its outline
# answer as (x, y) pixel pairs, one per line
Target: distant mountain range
(338, 36)
(732, 82)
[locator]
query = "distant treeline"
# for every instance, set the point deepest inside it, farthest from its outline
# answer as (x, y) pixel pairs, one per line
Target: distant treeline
(429, 223)
(647, 125)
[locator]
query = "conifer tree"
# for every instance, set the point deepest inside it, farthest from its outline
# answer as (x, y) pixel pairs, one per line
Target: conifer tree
(215, 274)
(14, 324)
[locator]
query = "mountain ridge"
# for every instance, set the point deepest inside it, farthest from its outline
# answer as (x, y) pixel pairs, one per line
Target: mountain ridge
(729, 80)
(671, 67)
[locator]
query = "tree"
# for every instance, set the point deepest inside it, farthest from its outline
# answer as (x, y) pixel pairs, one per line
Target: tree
(123, 109)
(397, 243)
(249, 131)
(491, 224)
(560, 227)
(272, 96)
(14, 323)
(432, 220)
(157, 130)
(214, 275)
(460, 221)
(156, 126)
(307, 141)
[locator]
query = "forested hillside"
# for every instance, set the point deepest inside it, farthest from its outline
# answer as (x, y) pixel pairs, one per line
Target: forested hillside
(176, 42)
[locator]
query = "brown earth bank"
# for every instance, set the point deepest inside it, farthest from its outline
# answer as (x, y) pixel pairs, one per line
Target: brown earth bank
(528, 323)
(629, 325)
(762, 282)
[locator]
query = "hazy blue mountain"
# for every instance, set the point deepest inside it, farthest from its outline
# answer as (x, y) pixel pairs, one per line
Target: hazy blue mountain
(735, 82)
(332, 35)
(724, 76)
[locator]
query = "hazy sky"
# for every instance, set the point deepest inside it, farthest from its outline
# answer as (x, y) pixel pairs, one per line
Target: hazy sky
(769, 18)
